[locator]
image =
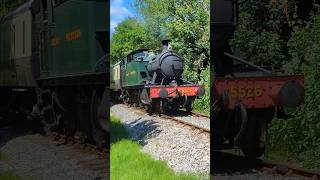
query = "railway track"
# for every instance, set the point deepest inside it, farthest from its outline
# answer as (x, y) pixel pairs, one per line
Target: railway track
(288, 170)
(205, 129)
(175, 116)
(232, 165)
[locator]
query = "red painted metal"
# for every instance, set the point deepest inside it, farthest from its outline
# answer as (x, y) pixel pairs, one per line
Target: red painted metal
(173, 91)
(253, 92)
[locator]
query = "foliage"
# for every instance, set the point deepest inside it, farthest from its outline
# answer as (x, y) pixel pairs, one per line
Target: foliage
(186, 23)
(129, 35)
(128, 162)
(265, 28)
(8, 175)
(302, 131)
(202, 105)
(287, 34)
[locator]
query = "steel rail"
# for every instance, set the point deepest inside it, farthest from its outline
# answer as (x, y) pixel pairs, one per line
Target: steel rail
(280, 169)
(142, 111)
(288, 170)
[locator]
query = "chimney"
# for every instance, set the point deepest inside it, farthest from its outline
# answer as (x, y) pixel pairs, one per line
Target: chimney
(166, 44)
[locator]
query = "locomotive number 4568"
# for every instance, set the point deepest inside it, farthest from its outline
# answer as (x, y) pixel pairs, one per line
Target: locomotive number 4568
(245, 92)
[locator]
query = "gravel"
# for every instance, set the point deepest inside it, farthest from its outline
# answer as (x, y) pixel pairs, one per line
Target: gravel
(38, 157)
(183, 148)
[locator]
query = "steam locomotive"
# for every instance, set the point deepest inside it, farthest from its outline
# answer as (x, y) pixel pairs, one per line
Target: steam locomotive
(154, 81)
(246, 97)
(53, 61)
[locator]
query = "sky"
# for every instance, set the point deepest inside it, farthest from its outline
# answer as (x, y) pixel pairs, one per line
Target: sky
(119, 10)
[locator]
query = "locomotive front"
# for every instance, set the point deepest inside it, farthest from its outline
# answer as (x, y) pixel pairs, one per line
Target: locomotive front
(165, 66)
(166, 89)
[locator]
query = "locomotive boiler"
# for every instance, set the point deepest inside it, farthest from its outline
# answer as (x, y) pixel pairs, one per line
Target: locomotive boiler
(246, 97)
(154, 81)
(165, 66)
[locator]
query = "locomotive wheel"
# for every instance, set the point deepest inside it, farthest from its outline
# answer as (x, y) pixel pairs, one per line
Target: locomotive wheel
(138, 99)
(98, 135)
(251, 145)
(67, 123)
(253, 152)
(7, 100)
(83, 99)
(157, 106)
(189, 105)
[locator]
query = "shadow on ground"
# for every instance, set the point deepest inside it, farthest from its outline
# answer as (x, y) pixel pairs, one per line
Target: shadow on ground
(143, 129)
(13, 127)
(178, 113)
(139, 130)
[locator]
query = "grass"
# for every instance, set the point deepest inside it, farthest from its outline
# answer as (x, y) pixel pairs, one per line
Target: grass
(285, 150)
(8, 175)
(307, 159)
(127, 162)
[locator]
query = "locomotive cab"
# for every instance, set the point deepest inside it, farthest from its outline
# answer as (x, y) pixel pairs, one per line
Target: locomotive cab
(133, 68)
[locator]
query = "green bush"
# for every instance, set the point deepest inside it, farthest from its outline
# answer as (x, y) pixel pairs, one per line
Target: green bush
(287, 34)
(203, 105)
(301, 134)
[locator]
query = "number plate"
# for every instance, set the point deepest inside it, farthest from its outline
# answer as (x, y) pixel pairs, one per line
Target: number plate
(185, 91)
(237, 92)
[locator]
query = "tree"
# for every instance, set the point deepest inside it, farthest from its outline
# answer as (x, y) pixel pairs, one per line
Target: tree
(129, 35)
(186, 23)
(266, 26)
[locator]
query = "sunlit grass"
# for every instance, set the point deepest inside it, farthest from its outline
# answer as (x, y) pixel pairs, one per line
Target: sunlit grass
(129, 163)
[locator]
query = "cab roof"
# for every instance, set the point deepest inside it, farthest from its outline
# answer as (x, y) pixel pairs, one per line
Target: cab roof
(138, 50)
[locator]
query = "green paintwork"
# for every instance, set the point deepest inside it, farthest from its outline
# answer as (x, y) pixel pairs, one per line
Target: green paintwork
(85, 55)
(131, 72)
(79, 56)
